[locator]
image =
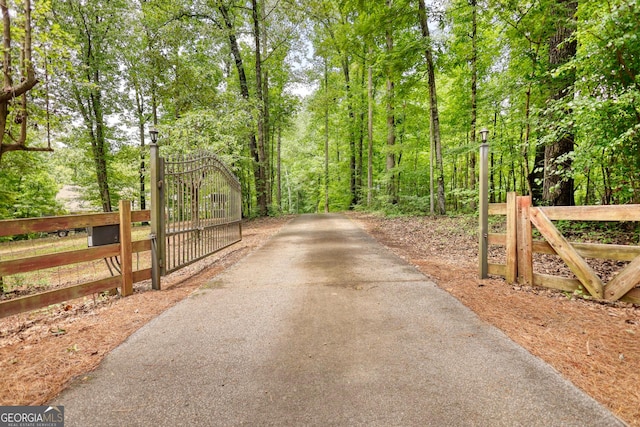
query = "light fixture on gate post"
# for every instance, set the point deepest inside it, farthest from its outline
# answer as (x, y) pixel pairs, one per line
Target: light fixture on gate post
(484, 133)
(153, 133)
(484, 206)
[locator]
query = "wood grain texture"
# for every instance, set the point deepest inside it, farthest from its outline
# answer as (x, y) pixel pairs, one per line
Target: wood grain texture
(586, 250)
(574, 261)
(593, 213)
(512, 238)
(42, 262)
(125, 248)
(498, 208)
(624, 281)
(44, 299)
(555, 282)
(524, 241)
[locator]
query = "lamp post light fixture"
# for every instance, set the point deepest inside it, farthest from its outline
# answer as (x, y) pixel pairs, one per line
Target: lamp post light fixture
(153, 132)
(484, 133)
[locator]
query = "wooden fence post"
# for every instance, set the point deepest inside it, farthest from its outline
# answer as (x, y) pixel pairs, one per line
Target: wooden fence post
(512, 238)
(525, 242)
(125, 248)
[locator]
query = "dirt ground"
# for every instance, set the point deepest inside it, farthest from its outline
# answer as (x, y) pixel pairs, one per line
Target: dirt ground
(593, 345)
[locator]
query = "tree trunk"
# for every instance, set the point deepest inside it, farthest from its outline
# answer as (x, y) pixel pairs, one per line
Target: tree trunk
(141, 136)
(535, 177)
(370, 132)
(351, 126)
(268, 168)
(391, 123)
(326, 136)
(361, 131)
(93, 118)
(27, 80)
(558, 189)
(474, 97)
(261, 185)
(279, 170)
(436, 144)
(244, 92)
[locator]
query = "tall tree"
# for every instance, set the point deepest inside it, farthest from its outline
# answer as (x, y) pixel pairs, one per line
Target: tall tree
(326, 137)
(262, 186)
(527, 35)
(135, 54)
(336, 33)
(558, 180)
(94, 26)
(436, 145)
(474, 97)
(258, 172)
(370, 129)
(17, 80)
(391, 121)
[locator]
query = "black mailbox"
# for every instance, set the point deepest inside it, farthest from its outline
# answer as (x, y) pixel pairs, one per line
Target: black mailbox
(103, 235)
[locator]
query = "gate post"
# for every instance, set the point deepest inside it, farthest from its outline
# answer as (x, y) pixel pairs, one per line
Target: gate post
(126, 269)
(484, 206)
(157, 210)
(512, 238)
(525, 242)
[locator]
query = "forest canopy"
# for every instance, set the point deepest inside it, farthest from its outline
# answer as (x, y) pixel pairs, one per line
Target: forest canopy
(323, 105)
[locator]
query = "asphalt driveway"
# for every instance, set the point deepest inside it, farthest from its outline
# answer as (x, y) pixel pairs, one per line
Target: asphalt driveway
(323, 326)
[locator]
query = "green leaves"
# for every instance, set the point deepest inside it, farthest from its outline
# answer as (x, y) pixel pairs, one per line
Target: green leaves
(27, 187)
(115, 67)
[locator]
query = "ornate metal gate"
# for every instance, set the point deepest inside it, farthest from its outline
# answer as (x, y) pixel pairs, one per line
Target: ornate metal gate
(196, 209)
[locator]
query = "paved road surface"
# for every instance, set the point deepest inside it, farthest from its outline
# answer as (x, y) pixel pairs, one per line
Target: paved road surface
(324, 327)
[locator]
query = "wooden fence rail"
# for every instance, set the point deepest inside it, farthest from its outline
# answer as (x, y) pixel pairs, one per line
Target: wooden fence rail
(520, 247)
(124, 249)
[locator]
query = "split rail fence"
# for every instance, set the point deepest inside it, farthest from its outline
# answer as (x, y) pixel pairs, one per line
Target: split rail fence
(124, 249)
(521, 217)
(196, 211)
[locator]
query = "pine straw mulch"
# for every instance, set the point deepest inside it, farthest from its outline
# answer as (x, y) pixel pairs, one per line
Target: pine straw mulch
(41, 351)
(595, 346)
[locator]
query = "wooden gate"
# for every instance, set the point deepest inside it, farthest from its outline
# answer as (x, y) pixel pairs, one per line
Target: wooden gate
(520, 247)
(196, 209)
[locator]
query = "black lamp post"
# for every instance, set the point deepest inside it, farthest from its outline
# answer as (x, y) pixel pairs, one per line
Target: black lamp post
(153, 132)
(484, 204)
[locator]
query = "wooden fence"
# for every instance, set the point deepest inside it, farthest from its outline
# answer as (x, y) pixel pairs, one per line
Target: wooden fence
(124, 249)
(520, 247)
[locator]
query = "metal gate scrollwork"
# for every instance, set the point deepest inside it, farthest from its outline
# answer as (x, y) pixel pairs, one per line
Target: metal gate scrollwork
(196, 209)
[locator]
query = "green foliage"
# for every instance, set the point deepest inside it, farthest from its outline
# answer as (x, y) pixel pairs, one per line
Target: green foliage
(114, 68)
(209, 130)
(27, 187)
(607, 115)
